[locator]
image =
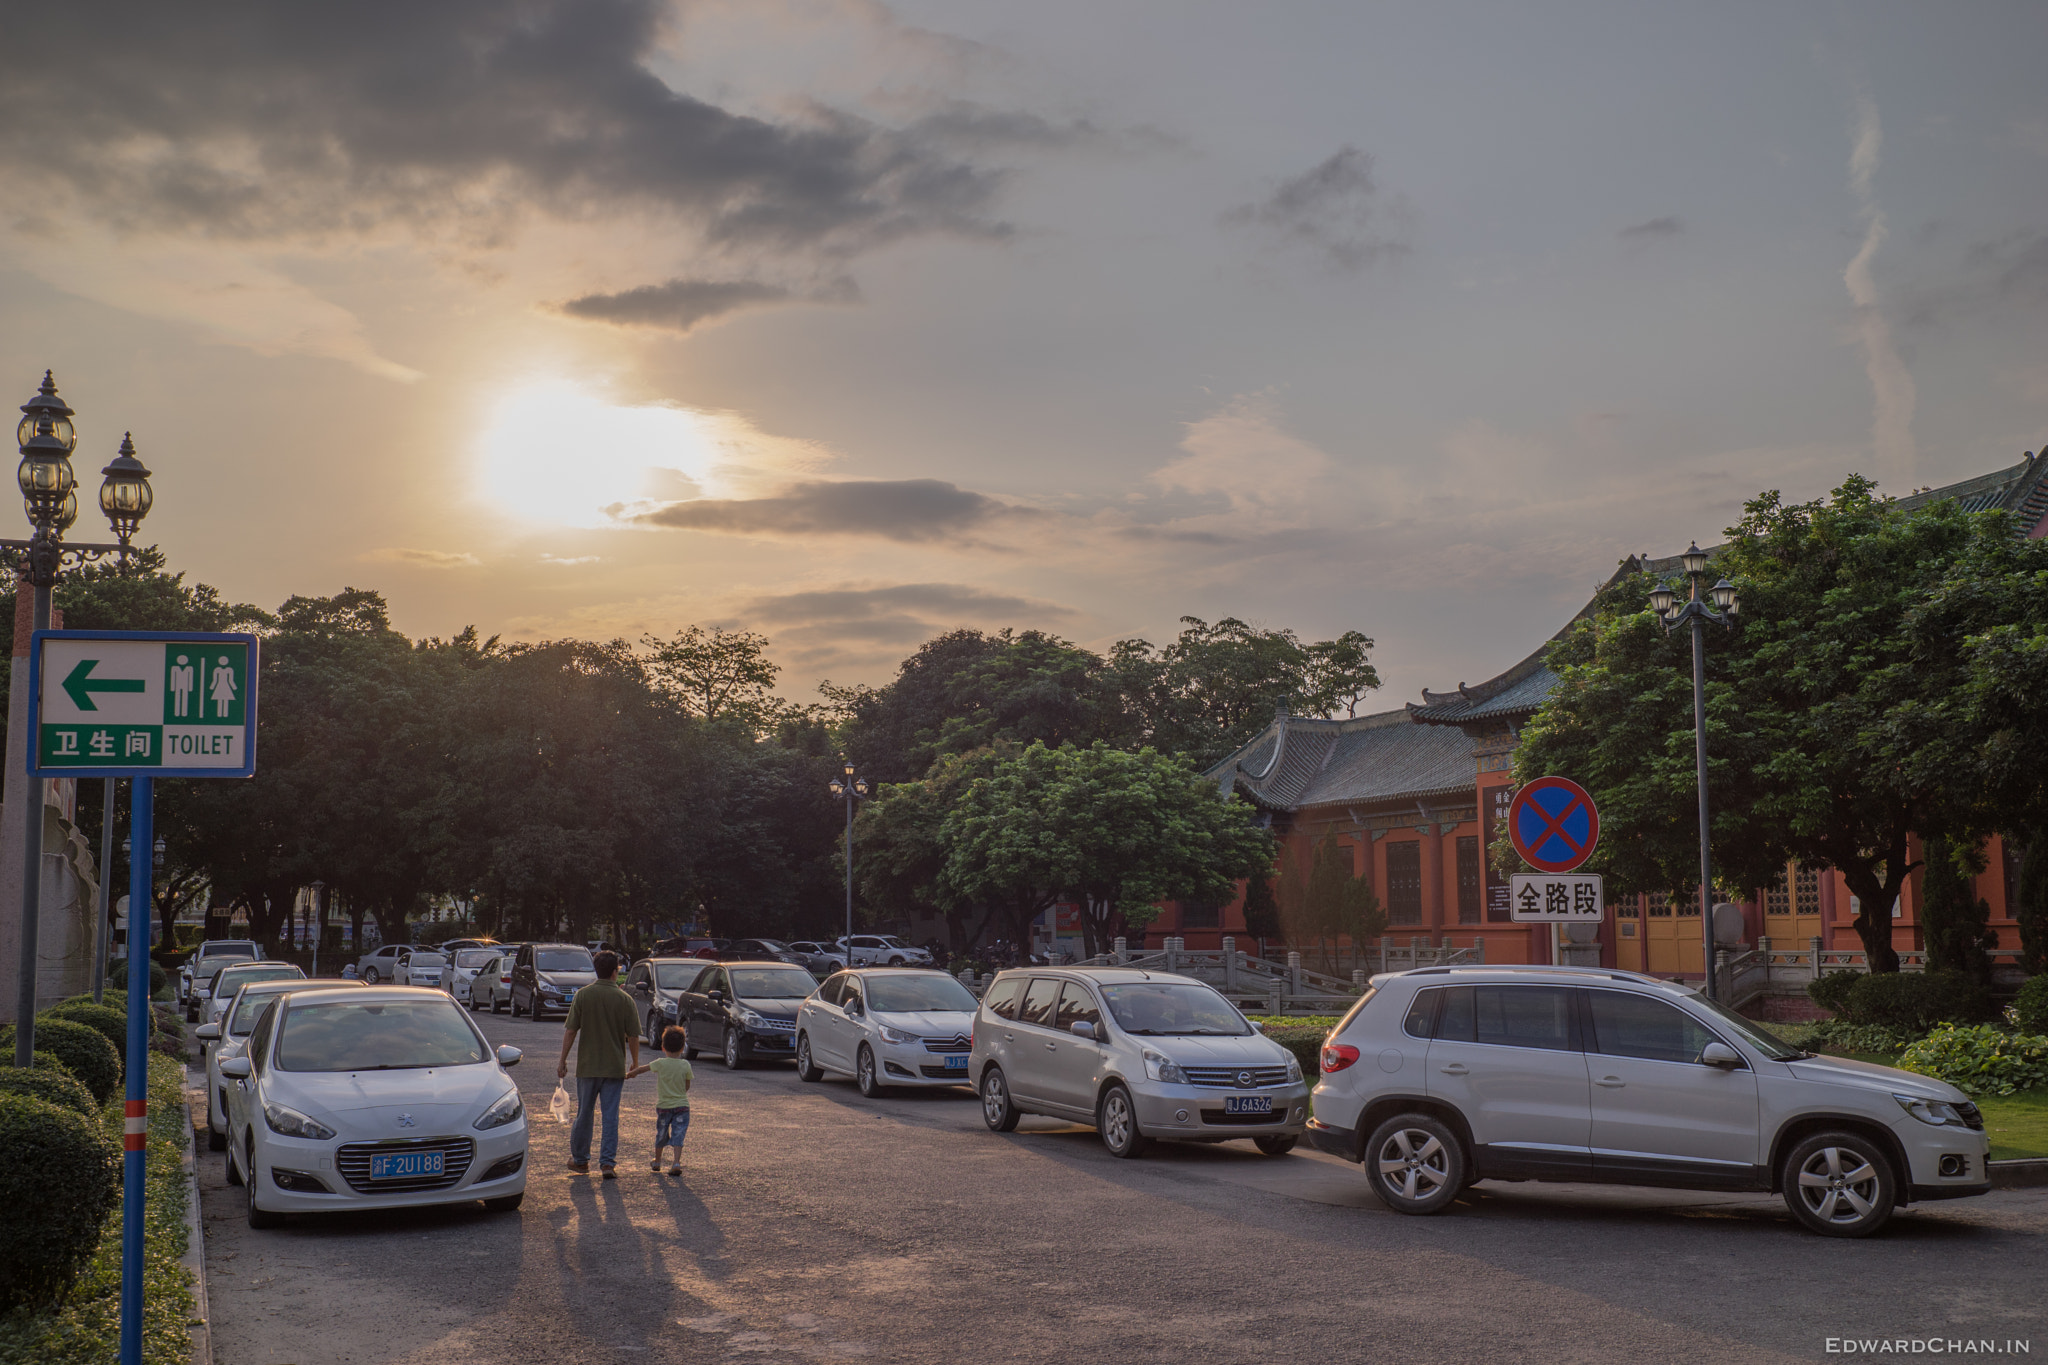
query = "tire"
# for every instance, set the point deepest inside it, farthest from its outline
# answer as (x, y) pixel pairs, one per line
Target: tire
(370, 975)
(1279, 1144)
(733, 1061)
(1116, 1119)
(1415, 1164)
(259, 1219)
(505, 1203)
(234, 1169)
(689, 1048)
(1839, 1184)
(895, 962)
(807, 1068)
(497, 1006)
(998, 1110)
(866, 1076)
(216, 1140)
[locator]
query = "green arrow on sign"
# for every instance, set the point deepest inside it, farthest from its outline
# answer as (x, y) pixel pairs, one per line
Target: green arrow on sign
(79, 684)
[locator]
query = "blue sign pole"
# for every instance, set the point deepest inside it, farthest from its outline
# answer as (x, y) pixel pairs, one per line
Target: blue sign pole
(142, 838)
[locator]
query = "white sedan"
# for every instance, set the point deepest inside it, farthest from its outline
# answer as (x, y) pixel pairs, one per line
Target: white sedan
(224, 1037)
(422, 967)
(372, 1098)
(213, 997)
(491, 987)
(887, 1026)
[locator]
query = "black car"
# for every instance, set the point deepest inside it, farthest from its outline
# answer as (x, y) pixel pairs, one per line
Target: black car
(745, 1011)
(546, 977)
(655, 983)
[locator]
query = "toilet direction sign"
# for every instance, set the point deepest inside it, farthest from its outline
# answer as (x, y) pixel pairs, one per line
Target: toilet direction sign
(142, 704)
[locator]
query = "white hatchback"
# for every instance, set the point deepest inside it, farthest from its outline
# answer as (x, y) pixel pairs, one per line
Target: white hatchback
(887, 1026)
(215, 994)
(369, 1098)
(224, 1037)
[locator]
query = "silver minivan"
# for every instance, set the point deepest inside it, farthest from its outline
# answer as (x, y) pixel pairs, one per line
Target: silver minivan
(1138, 1054)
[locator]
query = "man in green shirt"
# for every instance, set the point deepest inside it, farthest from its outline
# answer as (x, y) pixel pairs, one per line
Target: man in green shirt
(609, 1024)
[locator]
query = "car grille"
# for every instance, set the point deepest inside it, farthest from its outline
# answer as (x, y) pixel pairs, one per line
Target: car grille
(353, 1161)
(942, 1071)
(1218, 1116)
(1971, 1115)
(1227, 1077)
(779, 1025)
(959, 1042)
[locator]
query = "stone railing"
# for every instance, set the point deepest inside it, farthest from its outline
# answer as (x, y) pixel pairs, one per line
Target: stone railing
(1771, 969)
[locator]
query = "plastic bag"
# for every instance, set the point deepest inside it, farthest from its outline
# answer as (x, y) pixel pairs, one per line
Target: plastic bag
(563, 1105)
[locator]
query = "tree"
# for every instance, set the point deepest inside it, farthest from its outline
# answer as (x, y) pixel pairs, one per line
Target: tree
(901, 851)
(2032, 912)
(1261, 908)
(1829, 709)
(717, 675)
(1953, 920)
(1325, 901)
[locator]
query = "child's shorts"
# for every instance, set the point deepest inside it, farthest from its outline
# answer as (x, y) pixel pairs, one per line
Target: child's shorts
(670, 1125)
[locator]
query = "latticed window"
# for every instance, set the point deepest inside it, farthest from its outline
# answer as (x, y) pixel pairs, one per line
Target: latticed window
(1778, 898)
(1468, 879)
(1659, 905)
(1404, 882)
(1806, 890)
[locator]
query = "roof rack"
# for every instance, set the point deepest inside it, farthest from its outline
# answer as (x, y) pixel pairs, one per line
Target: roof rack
(1608, 973)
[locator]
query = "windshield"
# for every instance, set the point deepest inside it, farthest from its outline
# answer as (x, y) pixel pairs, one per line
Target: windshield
(471, 958)
(916, 994)
(219, 950)
(248, 1010)
(1764, 1041)
(675, 976)
(426, 960)
(892, 941)
(233, 976)
(388, 1035)
(1170, 1007)
(771, 983)
(563, 960)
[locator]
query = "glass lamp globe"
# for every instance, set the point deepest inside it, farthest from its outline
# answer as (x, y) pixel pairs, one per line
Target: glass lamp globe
(838, 787)
(1661, 598)
(67, 512)
(1724, 594)
(125, 496)
(1695, 559)
(46, 406)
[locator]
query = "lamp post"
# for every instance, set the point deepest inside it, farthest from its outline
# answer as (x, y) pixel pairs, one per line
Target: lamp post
(319, 890)
(1696, 612)
(49, 494)
(850, 789)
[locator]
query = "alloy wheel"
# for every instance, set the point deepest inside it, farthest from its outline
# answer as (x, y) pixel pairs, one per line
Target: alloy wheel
(1838, 1186)
(1117, 1121)
(1413, 1163)
(732, 1049)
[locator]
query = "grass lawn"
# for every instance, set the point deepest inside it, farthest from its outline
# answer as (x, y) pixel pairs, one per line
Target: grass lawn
(2016, 1124)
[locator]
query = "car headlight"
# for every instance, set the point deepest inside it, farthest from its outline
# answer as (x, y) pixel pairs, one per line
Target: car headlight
(1158, 1068)
(894, 1035)
(291, 1123)
(1293, 1071)
(548, 989)
(1937, 1112)
(503, 1112)
(668, 1007)
(751, 1019)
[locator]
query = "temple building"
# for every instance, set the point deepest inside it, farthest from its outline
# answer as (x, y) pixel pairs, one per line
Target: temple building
(1414, 796)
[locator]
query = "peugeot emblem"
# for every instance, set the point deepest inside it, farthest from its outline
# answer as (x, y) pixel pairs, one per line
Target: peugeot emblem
(405, 1121)
(1243, 1078)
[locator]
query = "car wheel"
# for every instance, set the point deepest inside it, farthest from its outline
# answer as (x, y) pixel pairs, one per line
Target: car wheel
(1415, 1164)
(807, 1068)
(216, 1140)
(998, 1110)
(689, 1048)
(1116, 1118)
(895, 962)
(497, 1005)
(259, 1219)
(732, 1049)
(370, 975)
(1278, 1144)
(505, 1203)
(1839, 1184)
(234, 1171)
(864, 1074)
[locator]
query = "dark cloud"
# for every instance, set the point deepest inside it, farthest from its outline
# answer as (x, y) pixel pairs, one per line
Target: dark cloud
(911, 510)
(259, 120)
(682, 304)
(1333, 209)
(1654, 230)
(956, 600)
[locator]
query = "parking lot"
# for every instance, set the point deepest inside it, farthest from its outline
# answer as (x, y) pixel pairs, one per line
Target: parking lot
(815, 1225)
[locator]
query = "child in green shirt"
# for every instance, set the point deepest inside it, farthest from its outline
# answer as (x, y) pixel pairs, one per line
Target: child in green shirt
(672, 1077)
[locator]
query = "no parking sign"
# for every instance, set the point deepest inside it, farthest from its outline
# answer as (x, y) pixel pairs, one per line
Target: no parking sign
(1553, 824)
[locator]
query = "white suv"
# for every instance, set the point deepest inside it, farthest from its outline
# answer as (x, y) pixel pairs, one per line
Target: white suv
(1445, 1076)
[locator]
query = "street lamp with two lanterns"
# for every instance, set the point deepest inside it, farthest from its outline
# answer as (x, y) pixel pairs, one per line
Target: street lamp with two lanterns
(850, 789)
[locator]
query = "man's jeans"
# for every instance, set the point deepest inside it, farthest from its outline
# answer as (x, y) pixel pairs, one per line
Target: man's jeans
(591, 1091)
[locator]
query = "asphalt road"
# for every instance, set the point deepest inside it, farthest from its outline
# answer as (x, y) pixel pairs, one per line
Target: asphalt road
(812, 1224)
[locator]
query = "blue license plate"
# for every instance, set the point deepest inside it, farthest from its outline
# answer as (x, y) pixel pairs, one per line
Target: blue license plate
(956, 1061)
(406, 1165)
(1248, 1104)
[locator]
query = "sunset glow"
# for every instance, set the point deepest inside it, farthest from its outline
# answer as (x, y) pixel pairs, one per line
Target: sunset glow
(558, 455)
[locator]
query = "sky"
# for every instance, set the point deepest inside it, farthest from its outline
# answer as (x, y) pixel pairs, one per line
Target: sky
(852, 322)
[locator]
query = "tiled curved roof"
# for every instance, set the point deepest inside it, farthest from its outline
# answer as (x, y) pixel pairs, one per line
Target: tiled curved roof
(2021, 490)
(1366, 759)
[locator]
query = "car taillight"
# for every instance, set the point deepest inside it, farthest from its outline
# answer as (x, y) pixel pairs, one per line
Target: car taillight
(1337, 1056)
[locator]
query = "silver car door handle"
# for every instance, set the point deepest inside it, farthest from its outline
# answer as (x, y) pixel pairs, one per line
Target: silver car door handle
(1611, 1082)
(1009, 1037)
(1454, 1069)
(1052, 1047)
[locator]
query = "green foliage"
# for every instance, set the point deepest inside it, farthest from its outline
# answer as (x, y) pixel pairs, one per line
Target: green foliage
(1916, 1001)
(57, 1183)
(1954, 922)
(1306, 1043)
(2032, 911)
(2030, 1006)
(1843, 1036)
(1326, 901)
(84, 1053)
(111, 1024)
(1980, 1059)
(717, 676)
(1831, 992)
(51, 1084)
(1261, 907)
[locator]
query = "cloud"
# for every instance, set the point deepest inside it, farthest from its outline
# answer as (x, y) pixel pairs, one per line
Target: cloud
(569, 559)
(1891, 384)
(315, 121)
(907, 510)
(1334, 210)
(681, 305)
(854, 623)
(426, 559)
(1653, 230)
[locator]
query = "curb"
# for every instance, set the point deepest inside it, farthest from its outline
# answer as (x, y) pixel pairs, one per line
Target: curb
(2015, 1175)
(195, 1247)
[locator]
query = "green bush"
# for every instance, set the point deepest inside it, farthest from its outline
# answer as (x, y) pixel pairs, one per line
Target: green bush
(111, 1024)
(84, 1053)
(51, 1084)
(1980, 1059)
(1917, 1001)
(57, 1184)
(2030, 1006)
(1305, 1043)
(1843, 1036)
(1831, 992)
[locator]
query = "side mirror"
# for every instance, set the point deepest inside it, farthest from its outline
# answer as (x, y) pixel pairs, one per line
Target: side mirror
(854, 1007)
(1257, 1027)
(207, 1033)
(1092, 1031)
(717, 997)
(509, 1056)
(235, 1068)
(1721, 1055)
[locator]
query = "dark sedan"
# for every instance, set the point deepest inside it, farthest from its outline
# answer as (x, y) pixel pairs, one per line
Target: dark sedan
(744, 1011)
(655, 983)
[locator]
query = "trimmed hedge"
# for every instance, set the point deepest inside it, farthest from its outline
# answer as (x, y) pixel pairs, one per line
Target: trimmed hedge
(84, 1053)
(58, 1177)
(1911, 1002)
(1831, 992)
(111, 1024)
(2030, 1006)
(51, 1084)
(1306, 1044)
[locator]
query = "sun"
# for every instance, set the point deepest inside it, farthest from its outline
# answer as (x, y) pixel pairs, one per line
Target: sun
(556, 454)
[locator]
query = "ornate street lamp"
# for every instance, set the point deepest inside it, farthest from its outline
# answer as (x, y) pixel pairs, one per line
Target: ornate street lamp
(49, 497)
(850, 789)
(1696, 612)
